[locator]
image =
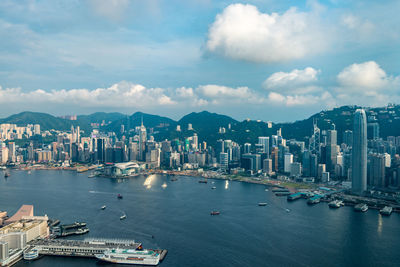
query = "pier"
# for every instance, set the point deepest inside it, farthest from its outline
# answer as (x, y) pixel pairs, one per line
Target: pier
(82, 248)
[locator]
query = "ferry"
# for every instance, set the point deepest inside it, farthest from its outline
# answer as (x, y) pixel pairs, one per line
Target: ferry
(361, 207)
(31, 254)
(103, 207)
(73, 225)
(215, 212)
(130, 256)
(123, 217)
(262, 204)
(387, 210)
(336, 204)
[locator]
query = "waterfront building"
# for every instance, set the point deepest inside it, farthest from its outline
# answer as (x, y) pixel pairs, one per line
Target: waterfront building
(288, 160)
(359, 152)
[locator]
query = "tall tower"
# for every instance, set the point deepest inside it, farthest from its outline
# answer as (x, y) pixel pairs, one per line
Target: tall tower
(142, 141)
(359, 154)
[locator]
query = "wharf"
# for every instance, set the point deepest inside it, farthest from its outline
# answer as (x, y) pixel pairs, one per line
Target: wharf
(83, 248)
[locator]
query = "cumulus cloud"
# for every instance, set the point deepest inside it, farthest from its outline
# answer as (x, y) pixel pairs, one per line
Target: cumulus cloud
(243, 32)
(289, 79)
(366, 84)
(364, 77)
(325, 99)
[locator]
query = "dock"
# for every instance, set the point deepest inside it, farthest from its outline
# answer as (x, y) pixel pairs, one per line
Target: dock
(83, 248)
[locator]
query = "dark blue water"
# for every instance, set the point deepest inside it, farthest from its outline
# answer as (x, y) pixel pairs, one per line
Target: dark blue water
(179, 218)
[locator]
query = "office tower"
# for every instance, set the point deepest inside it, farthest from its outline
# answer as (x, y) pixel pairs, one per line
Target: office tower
(247, 148)
(36, 129)
(288, 160)
(295, 169)
(264, 141)
(376, 170)
(223, 159)
(359, 156)
(267, 166)
(348, 138)
(373, 130)
(321, 169)
(313, 165)
(100, 150)
(307, 163)
(142, 142)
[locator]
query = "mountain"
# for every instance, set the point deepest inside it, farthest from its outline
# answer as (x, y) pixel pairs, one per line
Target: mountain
(45, 120)
(99, 117)
(159, 123)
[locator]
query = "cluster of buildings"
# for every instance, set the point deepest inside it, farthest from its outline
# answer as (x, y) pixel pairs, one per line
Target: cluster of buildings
(360, 156)
(17, 231)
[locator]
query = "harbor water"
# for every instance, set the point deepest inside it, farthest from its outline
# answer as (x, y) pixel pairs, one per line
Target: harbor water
(175, 215)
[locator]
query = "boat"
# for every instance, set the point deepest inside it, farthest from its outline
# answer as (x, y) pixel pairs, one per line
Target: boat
(73, 225)
(164, 185)
(103, 207)
(287, 210)
(203, 181)
(123, 217)
(92, 175)
(335, 204)
(214, 212)
(130, 256)
(266, 190)
(173, 179)
(213, 187)
(6, 174)
(29, 172)
(31, 254)
(361, 207)
(119, 196)
(262, 204)
(387, 210)
(78, 231)
(314, 200)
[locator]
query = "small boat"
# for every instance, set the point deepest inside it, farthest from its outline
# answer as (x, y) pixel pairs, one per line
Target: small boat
(361, 207)
(262, 204)
(213, 182)
(103, 207)
(203, 181)
(29, 172)
(173, 179)
(387, 210)
(92, 175)
(266, 190)
(214, 212)
(164, 185)
(119, 196)
(213, 187)
(336, 204)
(123, 217)
(6, 174)
(287, 210)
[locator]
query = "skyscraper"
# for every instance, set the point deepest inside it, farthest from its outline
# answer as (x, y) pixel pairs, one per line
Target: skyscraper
(264, 141)
(359, 154)
(142, 142)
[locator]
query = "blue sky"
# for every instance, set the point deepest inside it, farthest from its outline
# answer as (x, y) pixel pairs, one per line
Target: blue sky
(270, 60)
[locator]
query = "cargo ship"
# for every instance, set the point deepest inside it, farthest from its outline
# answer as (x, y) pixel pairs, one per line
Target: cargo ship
(130, 256)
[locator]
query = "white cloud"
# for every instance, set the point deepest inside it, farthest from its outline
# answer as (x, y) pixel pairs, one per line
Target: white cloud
(243, 32)
(356, 24)
(364, 77)
(294, 78)
(324, 99)
(112, 9)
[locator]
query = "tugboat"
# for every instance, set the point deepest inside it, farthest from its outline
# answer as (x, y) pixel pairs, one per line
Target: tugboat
(214, 212)
(119, 196)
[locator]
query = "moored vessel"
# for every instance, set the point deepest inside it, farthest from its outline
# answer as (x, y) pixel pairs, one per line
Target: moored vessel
(361, 207)
(336, 204)
(387, 210)
(262, 204)
(130, 256)
(214, 212)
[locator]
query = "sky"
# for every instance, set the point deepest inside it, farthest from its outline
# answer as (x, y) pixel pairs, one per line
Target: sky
(273, 60)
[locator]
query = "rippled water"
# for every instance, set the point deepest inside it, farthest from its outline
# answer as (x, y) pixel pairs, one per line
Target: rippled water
(178, 216)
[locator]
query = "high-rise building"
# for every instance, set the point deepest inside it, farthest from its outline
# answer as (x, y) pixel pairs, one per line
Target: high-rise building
(247, 148)
(142, 142)
(264, 141)
(223, 159)
(348, 138)
(288, 160)
(359, 152)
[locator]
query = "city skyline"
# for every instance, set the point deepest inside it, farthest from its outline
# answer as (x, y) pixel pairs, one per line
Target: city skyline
(126, 55)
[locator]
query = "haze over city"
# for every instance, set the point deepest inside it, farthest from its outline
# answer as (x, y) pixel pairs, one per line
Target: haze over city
(270, 60)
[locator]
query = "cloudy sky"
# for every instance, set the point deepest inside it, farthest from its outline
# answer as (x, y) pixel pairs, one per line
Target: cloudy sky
(276, 60)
